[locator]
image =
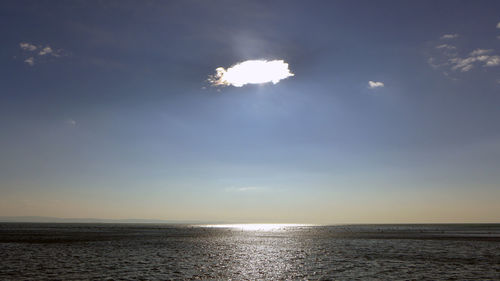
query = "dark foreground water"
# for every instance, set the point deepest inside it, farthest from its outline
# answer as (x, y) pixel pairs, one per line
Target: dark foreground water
(160, 252)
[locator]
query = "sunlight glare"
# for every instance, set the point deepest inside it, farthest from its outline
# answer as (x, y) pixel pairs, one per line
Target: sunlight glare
(251, 72)
(254, 226)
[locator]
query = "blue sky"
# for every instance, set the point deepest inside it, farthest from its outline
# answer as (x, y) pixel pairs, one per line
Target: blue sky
(106, 111)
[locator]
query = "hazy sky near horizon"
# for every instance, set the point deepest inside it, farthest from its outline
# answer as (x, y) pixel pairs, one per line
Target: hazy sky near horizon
(392, 115)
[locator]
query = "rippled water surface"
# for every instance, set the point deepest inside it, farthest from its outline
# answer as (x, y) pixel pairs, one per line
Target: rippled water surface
(159, 252)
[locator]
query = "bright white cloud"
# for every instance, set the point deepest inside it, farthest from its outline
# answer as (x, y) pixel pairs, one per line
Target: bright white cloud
(449, 36)
(374, 84)
(251, 72)
(27, 46)
(30, 61)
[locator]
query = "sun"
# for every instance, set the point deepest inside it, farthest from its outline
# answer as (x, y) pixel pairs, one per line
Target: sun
(251, 72)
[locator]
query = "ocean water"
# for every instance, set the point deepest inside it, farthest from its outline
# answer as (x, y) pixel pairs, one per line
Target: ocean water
(30, 251)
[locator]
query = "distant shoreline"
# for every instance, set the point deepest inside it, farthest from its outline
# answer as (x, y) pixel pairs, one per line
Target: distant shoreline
(37, 219)
(42, 219)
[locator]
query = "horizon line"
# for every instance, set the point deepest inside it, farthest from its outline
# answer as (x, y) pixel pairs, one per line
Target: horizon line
(49, 219)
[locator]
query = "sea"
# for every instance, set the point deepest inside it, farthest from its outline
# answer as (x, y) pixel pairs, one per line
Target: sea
(89, 251)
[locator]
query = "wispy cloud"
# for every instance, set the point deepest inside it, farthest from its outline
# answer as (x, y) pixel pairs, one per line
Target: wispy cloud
(27, 46)
(493, 61)
(32, 54)
(498, 25)
(30, 61)
(45, 51)
(478, 52)
(70, 122)
(449, 36)
(463, 64)
(244, 189)
(375, 84)
(446, 46)
(448, 58)
(477, 56)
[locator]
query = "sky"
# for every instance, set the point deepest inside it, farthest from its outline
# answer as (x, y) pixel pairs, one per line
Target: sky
(389, 111)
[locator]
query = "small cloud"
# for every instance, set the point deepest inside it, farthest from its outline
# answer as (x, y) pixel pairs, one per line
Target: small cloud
(478, 52)
(435, 63)
(374, 84)
(30, 61)
(55, 53)
(482, 58)
(27, 46)
(450, 58)
(70, 122)
(244, 189)
(45, 51)
(449, 36)
(463, 65)
(498, 25)
(251, 72)
(466, 68)
(476, 56)
(432, 62)
(493, 61)
(446, 46)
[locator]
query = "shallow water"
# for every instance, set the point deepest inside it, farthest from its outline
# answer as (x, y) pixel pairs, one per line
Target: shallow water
(156, 252)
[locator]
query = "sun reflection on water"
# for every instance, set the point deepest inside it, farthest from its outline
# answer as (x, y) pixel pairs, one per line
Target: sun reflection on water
(255, 226)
